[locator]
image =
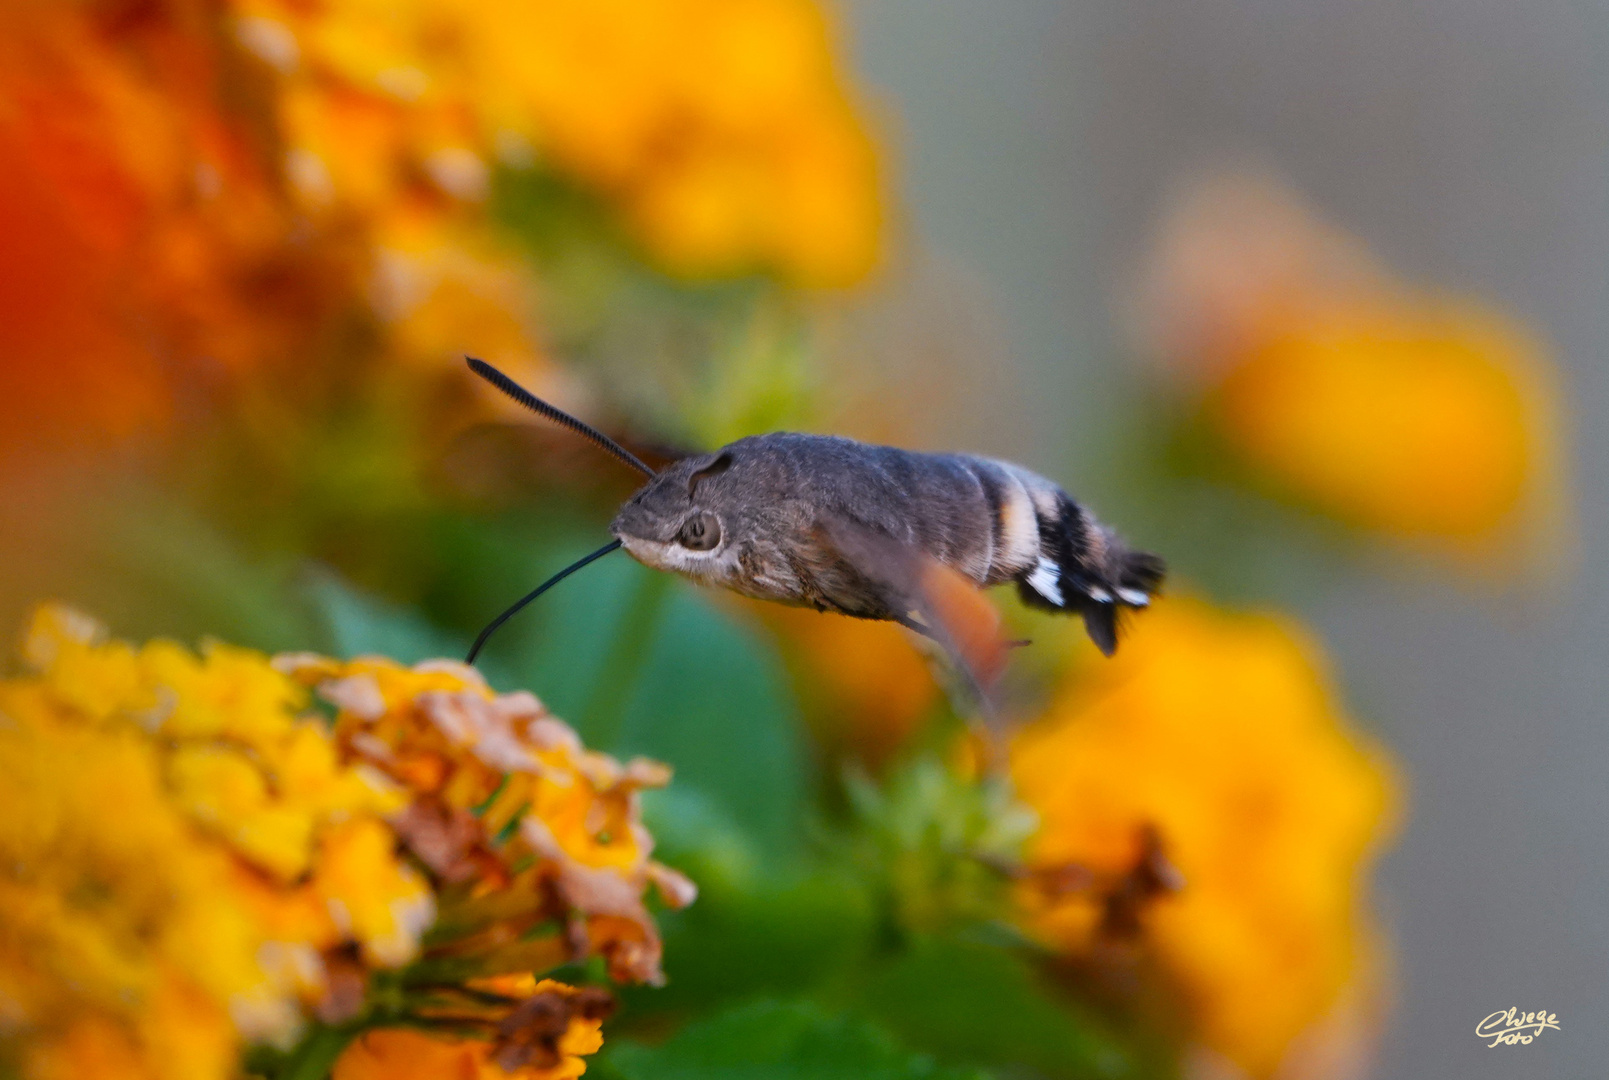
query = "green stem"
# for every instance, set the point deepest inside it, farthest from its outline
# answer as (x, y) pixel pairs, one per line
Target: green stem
(316, 1055)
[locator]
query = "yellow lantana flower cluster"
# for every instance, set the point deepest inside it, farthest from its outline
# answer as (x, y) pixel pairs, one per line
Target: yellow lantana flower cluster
(192, 860)
(1214, 738)
(1341, 386)
(719, 128)
(179, 851)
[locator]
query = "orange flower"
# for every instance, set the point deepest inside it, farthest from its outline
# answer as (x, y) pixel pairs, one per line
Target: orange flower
(1219, 733)
(1343, 388)
(543, 1038)
(202, 191)
(547, 1042)
(442, 293)
(864, 684)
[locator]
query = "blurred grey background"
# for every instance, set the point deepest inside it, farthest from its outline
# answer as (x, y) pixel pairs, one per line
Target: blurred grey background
(1467, 141)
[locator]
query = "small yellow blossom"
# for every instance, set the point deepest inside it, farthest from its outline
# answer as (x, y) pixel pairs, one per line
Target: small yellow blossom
(110, 905)
(372, 898)
(1342, 387)
(1219, 736)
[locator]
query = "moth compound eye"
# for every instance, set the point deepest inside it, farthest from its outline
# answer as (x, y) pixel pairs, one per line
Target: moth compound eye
(701, 532)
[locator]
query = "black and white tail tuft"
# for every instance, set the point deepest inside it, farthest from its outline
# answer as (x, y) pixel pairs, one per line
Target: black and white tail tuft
(1084, 567)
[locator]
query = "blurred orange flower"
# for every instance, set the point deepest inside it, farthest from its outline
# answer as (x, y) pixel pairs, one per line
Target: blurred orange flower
(1219, 735)
(1342, 387)
(148, 249)
(1418, 420)
(195, 191)
(441, 293)
(720, 128)
(562, 1029)
(864, 685)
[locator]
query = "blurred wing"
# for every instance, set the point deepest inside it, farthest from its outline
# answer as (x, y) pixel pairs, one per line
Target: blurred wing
(923, 595)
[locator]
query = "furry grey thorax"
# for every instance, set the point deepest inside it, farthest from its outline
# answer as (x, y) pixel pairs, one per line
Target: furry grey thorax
(761, 515)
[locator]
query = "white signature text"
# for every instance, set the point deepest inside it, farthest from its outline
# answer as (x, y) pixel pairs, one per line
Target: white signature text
(1510, 1027)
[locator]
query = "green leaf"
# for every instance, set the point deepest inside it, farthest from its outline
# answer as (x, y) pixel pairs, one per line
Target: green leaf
(147, 564)
(359, 624)
(765, 923)
(790, 936)
(558, 647)
(775, 1041)
(974, 1002)
(713, 700)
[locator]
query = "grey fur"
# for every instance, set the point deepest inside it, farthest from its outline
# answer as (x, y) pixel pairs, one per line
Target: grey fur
(790, 509)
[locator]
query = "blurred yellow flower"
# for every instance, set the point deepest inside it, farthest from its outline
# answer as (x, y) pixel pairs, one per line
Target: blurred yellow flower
(1413, 419)
(172, 838)
(1342, 387)
(719, 128)
(1220, 734)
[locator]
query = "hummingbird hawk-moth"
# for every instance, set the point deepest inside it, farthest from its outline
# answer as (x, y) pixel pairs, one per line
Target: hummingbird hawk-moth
(838, 525)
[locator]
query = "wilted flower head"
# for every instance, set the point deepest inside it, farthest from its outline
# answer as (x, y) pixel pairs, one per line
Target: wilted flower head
(1215, 737)
(1337, 384)
(522, 825)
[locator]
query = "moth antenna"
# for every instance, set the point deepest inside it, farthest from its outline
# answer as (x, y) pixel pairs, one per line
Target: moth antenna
(474, 650)
(558, 416)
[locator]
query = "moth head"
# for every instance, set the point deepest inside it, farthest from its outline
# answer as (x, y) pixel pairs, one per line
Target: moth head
(685, 519)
